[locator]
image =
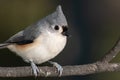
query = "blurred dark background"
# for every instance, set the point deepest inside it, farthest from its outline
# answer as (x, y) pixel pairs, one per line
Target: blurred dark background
(94, 26)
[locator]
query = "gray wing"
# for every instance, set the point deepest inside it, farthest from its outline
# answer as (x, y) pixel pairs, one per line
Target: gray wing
(18, 39)
(27, 35)
(34, 30)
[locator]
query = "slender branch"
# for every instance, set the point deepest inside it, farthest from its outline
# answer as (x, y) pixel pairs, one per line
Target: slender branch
(112, 53)
(99, 66)
(68, 70)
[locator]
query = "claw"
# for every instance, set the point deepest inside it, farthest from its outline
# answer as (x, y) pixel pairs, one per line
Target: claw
(35, 69)
(58, 66)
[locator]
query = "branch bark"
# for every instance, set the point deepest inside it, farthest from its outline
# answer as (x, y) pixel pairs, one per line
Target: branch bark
(68, 70)
(112, 53)
(102, 65)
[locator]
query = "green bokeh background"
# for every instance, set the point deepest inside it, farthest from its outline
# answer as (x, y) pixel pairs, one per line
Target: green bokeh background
(94, 26)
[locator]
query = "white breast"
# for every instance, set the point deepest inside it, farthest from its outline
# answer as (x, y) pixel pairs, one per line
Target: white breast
(46, 47)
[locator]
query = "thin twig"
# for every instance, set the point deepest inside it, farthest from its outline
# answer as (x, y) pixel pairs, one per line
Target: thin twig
(112, 53)
(68, 70)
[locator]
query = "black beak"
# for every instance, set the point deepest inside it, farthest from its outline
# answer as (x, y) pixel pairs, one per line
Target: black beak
(66, 33)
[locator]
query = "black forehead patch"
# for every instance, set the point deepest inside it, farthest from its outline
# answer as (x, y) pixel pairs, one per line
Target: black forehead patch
(65, 28)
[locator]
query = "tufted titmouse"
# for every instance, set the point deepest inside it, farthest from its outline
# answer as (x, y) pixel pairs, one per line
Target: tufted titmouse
(40, 41)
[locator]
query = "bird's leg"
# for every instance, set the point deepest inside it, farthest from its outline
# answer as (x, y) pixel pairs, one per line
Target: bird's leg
(34, 68)
(58, 66)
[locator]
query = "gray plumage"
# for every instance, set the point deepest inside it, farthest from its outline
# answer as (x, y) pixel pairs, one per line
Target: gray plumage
(48, 38)
(16, 38)
(3, 45)
(34, 30)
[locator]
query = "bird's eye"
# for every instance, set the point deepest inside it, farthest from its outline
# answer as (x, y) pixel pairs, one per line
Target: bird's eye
(56, 27)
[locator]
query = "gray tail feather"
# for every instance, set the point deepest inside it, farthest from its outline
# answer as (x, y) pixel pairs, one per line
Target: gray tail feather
(3, 45)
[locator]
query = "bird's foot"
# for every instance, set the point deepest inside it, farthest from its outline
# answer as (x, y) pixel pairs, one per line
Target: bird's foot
(36, 70)
(58, 66)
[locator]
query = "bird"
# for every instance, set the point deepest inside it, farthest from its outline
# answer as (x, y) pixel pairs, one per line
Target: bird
(41, 41)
